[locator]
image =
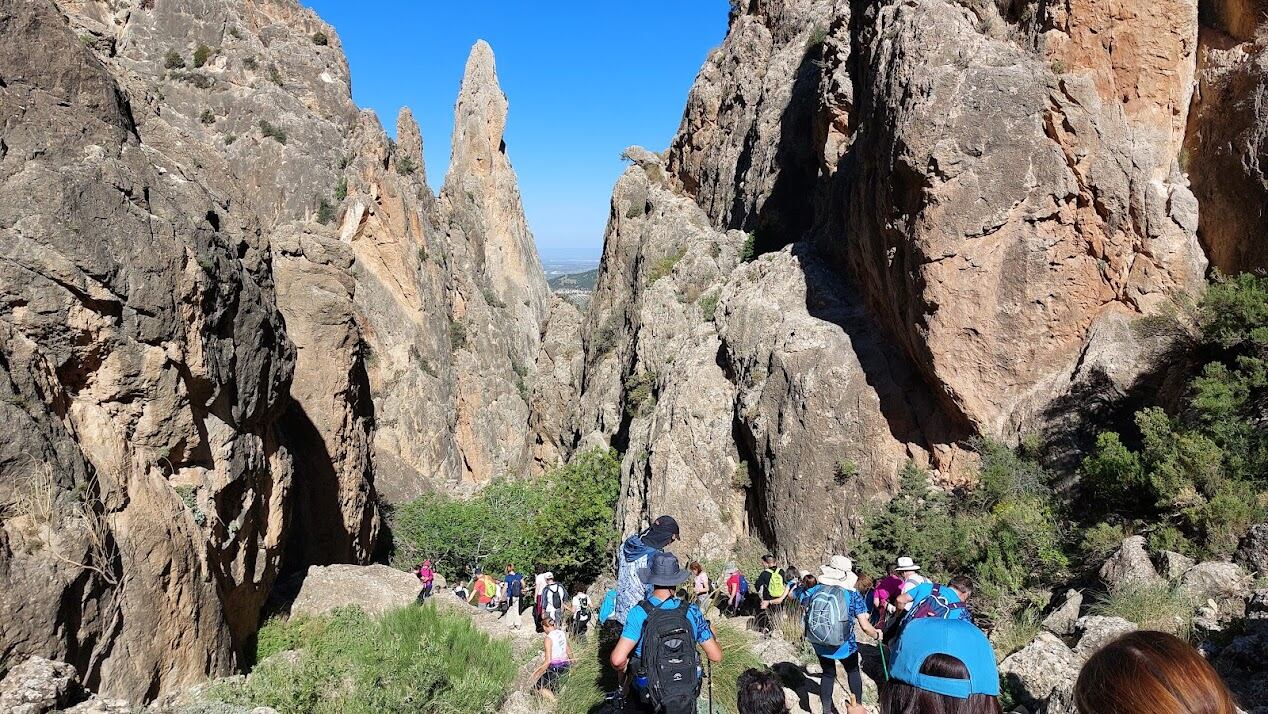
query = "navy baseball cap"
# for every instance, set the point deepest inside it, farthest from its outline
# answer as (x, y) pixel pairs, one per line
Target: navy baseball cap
(955, 638)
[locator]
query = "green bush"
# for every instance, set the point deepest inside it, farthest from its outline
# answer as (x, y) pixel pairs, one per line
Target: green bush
(341, 188)
(1101, 540)
(748, 253)
(207, 117)
(709, 306)
(273, 132)
(665, 266)
(405, 166)
(846, 471)
(640, 393)
(415, 659)
(1151, 605)
(564, 521)
(457, 335)
(201, 54)
(173, 60)
(320, 38)
(325, 212)
(275, 76)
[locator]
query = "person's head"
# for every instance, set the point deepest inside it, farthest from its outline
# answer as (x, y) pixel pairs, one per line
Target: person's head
(663, 573)
(768, 561)
(864, 584)
(510, 568)
(944, 666)
(1150, 672)
(838, 571)
(963, 586)
(809, 581)
(760, 692)
(548, 624)
(695, 568)
(548, 577)
(906, 567)
(661, 533)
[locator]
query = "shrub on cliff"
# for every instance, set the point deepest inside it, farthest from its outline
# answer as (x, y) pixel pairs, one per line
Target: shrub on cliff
(414, 659)
(564, 521)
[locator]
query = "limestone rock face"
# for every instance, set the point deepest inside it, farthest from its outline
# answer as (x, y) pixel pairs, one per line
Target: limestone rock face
(999, 211)
(1042, 675)
(1253, 551)
(143, 482)
(1130, 563)
(37, 686)
(554, 396)
(373, 588)
(1226, 147)
(500, 296)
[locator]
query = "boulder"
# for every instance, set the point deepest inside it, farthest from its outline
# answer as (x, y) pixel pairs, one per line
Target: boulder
(1041, 675)
(1129, 564)
(373, 588)
(96, 705)
(1241, 665)
(1215, 581)
(1253, 551)
(1061, 621)
(1172, 564)
(39, 685)
(1096, 631)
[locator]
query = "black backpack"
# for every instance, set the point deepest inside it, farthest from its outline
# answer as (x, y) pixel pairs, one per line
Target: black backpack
(670, 661)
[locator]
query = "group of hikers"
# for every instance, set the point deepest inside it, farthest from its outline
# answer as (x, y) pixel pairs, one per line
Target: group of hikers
(934, 658)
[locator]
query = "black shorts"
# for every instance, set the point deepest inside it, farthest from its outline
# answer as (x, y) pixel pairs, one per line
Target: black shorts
(550, 680)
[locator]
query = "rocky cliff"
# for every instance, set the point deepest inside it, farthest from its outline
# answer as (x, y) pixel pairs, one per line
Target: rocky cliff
(955, 213)
(235, 317)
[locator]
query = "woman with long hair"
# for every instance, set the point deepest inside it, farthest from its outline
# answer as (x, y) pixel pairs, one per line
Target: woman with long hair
(1148, 672)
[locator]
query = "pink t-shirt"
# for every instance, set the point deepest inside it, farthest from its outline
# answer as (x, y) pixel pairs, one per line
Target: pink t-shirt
(888, 588)
(702, 583)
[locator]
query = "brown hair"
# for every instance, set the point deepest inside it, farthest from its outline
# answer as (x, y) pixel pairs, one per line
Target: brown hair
(1150, 673)
(694, 567)
(864, 583)
(903, 698)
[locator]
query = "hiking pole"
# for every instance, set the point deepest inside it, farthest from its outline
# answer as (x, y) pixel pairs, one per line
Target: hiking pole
(880, 645)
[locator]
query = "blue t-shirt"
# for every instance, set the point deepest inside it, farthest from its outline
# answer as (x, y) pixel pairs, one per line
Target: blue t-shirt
(854, 606)
(608, 606)
(924, 590)
(636, 618)
(514, 585)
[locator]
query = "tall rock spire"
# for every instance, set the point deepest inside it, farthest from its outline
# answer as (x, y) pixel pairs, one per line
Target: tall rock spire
(483, 198)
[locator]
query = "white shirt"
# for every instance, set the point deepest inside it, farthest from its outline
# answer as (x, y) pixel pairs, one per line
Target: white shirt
(559, 645)
(913, 579)
(579, 600)
(548, 598)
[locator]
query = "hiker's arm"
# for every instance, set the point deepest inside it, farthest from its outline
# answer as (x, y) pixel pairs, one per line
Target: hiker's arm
(621, 653)
(712, 650)
(903, 601)
(867, 626)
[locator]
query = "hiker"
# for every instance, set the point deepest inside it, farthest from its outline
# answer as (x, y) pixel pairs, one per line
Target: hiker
(427, 577)
(885, 594)
(582, 614)
(556, 658)
(539, 586)
(514, 594)
(636, 553)
(834, 612)
(736, 589)
(1147, 672)
(907, 569)
(554, 600)
(931, 600)
(659, 641)
(866, 587)
(700, 584)
(792, 578)
(771, 591)
(944, 666)
(462, 593)
(760, 692)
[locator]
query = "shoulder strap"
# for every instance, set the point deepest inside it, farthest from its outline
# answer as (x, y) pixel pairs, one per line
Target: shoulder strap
(646, 606)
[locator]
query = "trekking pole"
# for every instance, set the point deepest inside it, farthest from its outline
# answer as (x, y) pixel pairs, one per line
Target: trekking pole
(880, 645)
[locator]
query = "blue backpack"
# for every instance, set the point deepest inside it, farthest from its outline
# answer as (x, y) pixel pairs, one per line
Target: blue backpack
(934, 605)
(743, 586)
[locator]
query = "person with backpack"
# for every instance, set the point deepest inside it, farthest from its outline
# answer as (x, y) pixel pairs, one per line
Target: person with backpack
(660, 642)
(554, 600)
(635, 554)
(514, 596)
(907, 569)
(834, 611)
(771, 591)
(582, 614)
(931, 600)
(486, 591)
(426, 577)
(948, 666)
(556, 659)
(736, 590)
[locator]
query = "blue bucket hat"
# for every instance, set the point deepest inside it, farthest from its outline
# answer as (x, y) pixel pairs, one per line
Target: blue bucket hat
(955, 638)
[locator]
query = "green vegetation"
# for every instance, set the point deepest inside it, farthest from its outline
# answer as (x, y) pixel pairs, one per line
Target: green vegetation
(640, 393)
(173, 60)
(201, 54)
(1204, 473)
(665, 266)
(273, 132)
(1004, 532)
(251, 63)
(230, 138)
(1151, 605)
(341, 188)
(275, 76)
(325, 212)
(741, 479)
(207, 117)
(563, 521)
(1015, 632)
(817, 39)
(709, 306)
(319, 38)
(457, 335)
(605, 341)
(847, 470)
(415, 659)
(491, 297)
(405, 166)
(749, 252)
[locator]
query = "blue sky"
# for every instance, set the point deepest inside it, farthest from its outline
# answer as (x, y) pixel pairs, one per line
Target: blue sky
(584, 79)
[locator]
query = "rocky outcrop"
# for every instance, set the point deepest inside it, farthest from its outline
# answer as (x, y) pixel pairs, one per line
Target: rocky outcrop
(1226, 146)
(373, 588)
(39, 685)
(554, 399)
(1253, 551)
(1129, 564)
